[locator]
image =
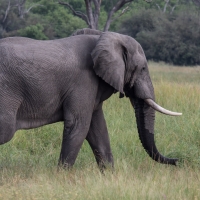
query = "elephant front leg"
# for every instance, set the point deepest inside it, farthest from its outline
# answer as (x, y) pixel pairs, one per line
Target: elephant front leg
(98, 139)
(75, 131)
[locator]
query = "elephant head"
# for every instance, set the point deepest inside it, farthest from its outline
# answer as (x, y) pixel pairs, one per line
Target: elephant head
(120, 61)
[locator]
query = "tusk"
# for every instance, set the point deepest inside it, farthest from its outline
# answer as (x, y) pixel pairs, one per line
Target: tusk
(158, 108)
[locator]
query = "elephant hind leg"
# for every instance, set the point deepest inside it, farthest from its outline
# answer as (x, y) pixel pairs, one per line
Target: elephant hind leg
(7, 128)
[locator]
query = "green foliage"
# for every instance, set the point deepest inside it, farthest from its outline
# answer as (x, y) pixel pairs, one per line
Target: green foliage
(64, 23)
(170, 38)
(33, 31)
(57, 19)
(45, 7)
(12, 22)
(46, 20)
(78, 5)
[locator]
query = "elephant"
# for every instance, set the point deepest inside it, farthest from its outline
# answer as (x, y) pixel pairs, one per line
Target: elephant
(68, 79)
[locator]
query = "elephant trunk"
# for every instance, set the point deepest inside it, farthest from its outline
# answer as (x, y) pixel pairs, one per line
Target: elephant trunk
(145, 116)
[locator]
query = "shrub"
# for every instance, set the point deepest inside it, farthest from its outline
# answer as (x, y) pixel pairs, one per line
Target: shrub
(171, 38)
(33, 31)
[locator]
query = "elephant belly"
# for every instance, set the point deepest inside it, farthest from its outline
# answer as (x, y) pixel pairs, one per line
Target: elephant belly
(32, 118)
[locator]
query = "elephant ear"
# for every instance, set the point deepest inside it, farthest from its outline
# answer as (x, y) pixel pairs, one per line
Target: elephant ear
(108, 59)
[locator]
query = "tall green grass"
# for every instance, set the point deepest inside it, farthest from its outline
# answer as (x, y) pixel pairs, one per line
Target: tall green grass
(28, 163)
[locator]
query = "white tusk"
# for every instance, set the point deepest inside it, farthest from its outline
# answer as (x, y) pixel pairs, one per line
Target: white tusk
(158, 108)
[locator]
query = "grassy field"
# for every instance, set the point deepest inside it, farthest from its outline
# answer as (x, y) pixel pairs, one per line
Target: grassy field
(28, 164)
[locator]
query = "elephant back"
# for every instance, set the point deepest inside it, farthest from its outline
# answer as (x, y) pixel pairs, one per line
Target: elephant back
(86, 31)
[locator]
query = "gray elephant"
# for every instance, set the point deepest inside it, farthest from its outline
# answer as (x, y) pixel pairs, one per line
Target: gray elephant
(43, 82)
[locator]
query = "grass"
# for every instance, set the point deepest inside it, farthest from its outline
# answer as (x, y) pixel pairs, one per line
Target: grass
(28, 163)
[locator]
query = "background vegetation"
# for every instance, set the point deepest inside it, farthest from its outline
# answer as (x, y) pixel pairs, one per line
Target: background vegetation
(28, 163)
(168, 30)
(173, 38)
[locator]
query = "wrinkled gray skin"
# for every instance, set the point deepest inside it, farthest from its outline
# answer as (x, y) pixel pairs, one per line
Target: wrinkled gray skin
(42, 82)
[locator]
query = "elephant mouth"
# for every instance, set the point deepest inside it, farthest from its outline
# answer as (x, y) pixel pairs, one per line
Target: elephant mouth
(160, 109)
(132, 93)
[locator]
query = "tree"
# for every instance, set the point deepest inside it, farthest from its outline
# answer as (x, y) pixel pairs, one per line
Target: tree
(196, 2)
(172, 38)
(8, 16)
(93, 12)
(22, 10)
(7, 10)
(58, 22)
(34, 31)
(20, 4)
(168, 5)
(38, 19)
(12, 16)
